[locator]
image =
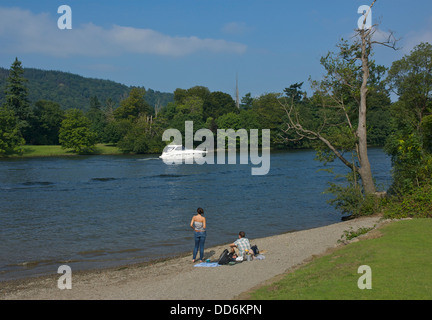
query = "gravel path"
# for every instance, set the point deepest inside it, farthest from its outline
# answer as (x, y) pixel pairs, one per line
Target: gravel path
(178, 279)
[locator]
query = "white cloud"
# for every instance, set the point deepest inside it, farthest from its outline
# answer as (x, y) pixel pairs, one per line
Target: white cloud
(382, 36)
(415, 38)
(412, 38)
(21, 31)
(150, 41)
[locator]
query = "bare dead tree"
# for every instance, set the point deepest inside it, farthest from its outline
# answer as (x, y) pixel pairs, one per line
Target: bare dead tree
(366, 35)
(360, 50)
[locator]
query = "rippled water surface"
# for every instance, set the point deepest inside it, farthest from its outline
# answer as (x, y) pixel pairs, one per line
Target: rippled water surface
(101, 211)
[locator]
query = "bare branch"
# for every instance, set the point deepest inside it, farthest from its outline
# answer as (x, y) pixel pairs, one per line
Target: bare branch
(390, 42)
(311, 135)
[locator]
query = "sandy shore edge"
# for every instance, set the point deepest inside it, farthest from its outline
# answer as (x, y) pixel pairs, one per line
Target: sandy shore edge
(178, 279)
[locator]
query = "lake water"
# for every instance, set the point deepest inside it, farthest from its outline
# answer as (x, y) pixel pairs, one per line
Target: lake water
(102, 211)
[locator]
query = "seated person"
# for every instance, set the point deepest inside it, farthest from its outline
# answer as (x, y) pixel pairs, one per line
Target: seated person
(242, 244)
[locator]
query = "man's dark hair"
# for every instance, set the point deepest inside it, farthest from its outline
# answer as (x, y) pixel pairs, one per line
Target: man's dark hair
(242, 234)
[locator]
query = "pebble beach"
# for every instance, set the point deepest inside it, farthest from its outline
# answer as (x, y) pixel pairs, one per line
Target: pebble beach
(179, 279)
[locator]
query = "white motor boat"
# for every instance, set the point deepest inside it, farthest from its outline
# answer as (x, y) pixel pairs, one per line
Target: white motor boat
(179, 152)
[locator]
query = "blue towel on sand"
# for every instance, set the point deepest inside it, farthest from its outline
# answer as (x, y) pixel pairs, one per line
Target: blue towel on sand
(207, 264)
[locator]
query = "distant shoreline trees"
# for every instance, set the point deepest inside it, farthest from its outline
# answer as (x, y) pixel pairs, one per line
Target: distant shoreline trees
(136, 126)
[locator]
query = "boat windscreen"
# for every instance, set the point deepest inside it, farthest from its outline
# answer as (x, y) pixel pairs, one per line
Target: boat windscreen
(168, 149)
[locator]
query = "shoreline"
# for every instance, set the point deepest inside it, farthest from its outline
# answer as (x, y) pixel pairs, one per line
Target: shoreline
(58, 151)
(122, 265)
(176, 278)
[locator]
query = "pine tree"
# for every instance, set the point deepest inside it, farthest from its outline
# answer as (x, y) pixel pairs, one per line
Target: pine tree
(16, 97)
(10, 136)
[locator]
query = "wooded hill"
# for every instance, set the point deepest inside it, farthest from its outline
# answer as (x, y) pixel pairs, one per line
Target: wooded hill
(74, 91)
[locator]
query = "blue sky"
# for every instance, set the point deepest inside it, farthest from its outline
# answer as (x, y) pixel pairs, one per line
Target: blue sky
(167, 44)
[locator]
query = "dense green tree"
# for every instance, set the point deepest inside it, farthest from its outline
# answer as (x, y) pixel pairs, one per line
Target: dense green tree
(10, 135)
(409, 144)
(115, 130)
(211, 125)
(378, 124)
(250, 120)
(294, 93)
(16, 97)
(217, 104)
(230, 121)
(135, 129)
(188, 105)
(75, 132)
(143, 136)
(246, 102)
(191, 109)
(411, 79)
(412, 163)
(198, 91)
(179, 95)
(112, 132)
(192, 105)
(98, 119)
(46, 124)
(134, 106)
(426, 130)
(158, 99)
(267, 108)
(178, 122)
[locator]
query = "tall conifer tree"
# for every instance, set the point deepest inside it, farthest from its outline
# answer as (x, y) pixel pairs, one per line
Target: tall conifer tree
(16, 97)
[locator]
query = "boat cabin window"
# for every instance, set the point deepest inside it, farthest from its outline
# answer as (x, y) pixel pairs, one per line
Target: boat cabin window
(168, 149)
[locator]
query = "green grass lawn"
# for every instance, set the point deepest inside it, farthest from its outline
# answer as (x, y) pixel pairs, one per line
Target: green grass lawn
(53, 150)
(400, 262)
